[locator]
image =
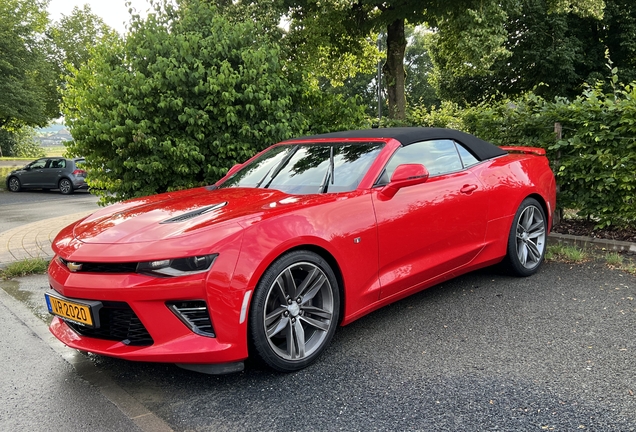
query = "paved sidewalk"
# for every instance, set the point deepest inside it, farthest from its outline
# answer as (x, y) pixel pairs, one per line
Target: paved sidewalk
(33, 240)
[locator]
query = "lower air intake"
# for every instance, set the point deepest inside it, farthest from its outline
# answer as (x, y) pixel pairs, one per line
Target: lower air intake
(194, 314)
(118, 322)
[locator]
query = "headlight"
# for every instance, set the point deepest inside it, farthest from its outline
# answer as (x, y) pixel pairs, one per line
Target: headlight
(177, 267)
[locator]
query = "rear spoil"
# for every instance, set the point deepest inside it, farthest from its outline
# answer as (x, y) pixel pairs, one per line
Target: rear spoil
(526, 150)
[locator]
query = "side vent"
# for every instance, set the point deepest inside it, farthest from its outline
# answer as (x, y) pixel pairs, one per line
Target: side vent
(194, 213)
(194, 314)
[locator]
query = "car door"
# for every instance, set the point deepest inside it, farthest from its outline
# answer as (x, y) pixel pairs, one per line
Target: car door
(33, 176)
(429, 229)
(53, 173)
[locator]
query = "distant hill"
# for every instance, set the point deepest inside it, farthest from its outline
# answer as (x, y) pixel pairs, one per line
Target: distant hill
(52, 128)
(53, 135)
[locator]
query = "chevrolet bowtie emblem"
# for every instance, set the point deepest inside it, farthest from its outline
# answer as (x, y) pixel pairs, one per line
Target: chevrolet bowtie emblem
(74, 267)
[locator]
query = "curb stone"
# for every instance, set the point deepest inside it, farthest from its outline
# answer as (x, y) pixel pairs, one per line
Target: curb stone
(591, 242)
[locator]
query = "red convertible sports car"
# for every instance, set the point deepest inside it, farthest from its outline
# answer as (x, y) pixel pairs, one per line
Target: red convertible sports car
(309, 234)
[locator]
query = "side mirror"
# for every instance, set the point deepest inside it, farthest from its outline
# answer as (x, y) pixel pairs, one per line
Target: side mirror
(405, 175)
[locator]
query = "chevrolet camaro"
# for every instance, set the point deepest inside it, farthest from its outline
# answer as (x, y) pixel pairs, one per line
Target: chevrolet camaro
(307, 235)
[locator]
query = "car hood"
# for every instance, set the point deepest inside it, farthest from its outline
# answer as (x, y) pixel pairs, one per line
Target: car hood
(180, 213)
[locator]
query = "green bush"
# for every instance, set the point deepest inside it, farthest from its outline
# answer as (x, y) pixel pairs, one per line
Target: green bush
(185, 96)
(597, 164)
(20, 143)
(594, 161)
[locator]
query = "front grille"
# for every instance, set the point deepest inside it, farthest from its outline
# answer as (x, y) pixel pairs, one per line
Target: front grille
(88, 267)
(118, 322)
(195, 315)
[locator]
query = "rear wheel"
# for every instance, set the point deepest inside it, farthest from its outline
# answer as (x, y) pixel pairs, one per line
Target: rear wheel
(294, 311)
(66, 187)
(14, 184)
(527, 239)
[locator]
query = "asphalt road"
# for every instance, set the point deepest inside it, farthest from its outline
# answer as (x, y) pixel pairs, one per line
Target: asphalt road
(40, 391)
(20, 208)
(484, 352)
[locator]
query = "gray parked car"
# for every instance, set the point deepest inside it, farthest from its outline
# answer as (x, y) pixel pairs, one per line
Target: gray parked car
(66, 175)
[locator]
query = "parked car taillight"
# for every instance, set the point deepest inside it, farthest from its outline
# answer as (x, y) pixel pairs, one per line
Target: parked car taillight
(79, 172)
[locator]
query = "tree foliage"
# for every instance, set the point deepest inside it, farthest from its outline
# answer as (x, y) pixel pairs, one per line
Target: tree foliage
(550, 52)
(33, 54)
(27, 81)
(75, 35)
(419, 68)
(20, 142)
(344, 24)
(189, 93)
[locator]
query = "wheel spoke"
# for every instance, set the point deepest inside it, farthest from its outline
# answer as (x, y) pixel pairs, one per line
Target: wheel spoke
(288, 283)
(522, 252)
(272, 316)
(528, 217)
(320, 325)
(533, 251)
(315, 287)
(299, 338)
(305, 283)
(536, 230)
(314, 311)
(278, 327)
(279, 289)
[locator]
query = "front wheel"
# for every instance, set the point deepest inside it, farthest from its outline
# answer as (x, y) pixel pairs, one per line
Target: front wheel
(66, 187)
(294, 311)
(527, 239)
(14, 184)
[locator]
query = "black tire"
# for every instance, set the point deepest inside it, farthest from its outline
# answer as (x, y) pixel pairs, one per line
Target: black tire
(14, 184)
(294, 311)
(527, 239)
(65, 186)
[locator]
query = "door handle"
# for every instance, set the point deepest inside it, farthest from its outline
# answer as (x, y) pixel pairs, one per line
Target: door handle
(468, 189)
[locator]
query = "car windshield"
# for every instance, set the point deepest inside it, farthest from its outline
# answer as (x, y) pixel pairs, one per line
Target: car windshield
(308, 168)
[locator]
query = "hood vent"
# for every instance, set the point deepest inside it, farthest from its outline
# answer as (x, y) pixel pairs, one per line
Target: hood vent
(194, 213)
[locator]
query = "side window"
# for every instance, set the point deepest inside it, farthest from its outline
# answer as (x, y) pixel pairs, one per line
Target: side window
(39, 164)
(438, 156)
(467, 157)
(58, 163)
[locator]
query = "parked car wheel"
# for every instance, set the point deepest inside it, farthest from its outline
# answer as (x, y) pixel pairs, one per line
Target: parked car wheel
(527, 240)
(14, 184)
(295, 311)
(66, 187)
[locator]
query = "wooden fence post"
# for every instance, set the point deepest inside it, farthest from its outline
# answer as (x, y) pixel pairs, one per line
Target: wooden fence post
(558, 133)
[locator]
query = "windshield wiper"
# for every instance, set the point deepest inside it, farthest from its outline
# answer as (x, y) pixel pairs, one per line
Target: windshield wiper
(330, 175)
(280, 167)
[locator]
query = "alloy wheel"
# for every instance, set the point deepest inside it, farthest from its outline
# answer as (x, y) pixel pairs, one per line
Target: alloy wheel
(14, 184)
(65, 186)
(531, 235)
(299, 311)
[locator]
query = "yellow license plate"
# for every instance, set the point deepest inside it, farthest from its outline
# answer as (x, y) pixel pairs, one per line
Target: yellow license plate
(72, 311)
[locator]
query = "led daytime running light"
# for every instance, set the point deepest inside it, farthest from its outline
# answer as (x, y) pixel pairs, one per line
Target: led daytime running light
(178, 266)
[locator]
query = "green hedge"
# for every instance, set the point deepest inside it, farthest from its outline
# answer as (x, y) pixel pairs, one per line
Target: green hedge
(595, 159)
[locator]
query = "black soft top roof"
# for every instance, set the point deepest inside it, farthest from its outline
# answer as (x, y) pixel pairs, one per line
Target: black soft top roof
(408, 135)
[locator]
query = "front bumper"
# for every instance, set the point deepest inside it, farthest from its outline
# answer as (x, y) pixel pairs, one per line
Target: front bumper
(149, 298)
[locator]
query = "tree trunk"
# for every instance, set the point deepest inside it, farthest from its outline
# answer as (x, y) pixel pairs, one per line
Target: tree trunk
(393, 69)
